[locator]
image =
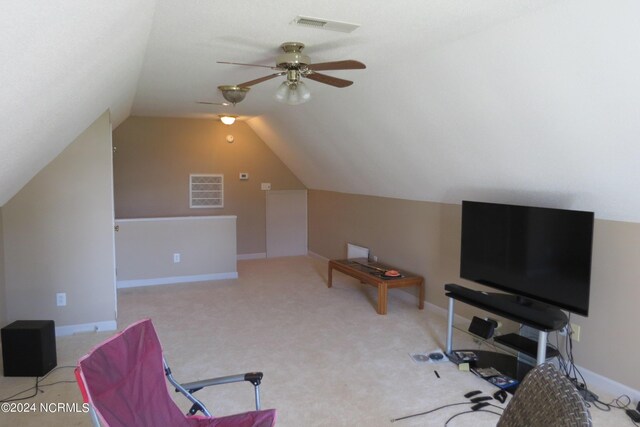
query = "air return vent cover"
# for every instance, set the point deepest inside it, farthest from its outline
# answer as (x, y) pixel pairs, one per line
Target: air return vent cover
(324, 24)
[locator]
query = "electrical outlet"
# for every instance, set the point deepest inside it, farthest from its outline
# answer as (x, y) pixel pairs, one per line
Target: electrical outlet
(61, 299)
(176, 258)
(575, 332)
(265, 186)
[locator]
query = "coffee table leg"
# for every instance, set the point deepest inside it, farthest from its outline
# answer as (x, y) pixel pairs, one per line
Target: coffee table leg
(421, 295)
(382, 298)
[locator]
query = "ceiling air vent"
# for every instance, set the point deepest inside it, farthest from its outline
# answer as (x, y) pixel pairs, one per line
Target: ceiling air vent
(324, 24)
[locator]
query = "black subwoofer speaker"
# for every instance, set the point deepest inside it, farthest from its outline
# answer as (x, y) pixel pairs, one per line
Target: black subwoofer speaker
(29, 348)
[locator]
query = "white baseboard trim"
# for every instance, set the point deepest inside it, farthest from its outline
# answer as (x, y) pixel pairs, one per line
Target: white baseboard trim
(601, 384)
(258, 255)
(318, 256)
(458, 321)
(107, 325)
(121, 284)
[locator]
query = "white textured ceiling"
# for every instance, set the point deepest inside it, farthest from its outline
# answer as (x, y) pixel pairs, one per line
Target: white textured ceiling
(62, 64)
(533, 102)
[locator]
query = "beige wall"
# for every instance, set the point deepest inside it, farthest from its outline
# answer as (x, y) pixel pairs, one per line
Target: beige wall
(145, 249)
(58, 236)
(424, 237)
(155, 156)
(3, 301)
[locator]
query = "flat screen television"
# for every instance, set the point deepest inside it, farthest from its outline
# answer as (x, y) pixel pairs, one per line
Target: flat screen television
(535, 253)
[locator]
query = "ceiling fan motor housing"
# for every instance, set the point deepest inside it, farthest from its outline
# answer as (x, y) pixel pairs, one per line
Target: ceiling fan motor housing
(292, 58)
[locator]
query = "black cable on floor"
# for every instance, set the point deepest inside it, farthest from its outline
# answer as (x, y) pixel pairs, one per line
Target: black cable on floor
(471, 412)
(37, 387)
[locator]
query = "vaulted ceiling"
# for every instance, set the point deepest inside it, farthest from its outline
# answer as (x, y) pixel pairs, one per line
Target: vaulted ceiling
(523, 101)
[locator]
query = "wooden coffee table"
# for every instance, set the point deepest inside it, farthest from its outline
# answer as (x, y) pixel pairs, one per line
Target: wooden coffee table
(356, 269)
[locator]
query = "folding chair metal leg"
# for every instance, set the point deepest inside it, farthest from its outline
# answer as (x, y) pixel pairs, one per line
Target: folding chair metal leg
(257, 391)
(196, 403)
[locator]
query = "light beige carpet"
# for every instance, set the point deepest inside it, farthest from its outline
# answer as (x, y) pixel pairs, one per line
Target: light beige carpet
(327, 357)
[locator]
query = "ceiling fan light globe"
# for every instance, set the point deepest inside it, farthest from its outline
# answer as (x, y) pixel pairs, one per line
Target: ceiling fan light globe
(228, 120)
(293, 93)
(233, 94)
(294, 97)
(303, 91)
(234, 97)
(282, 93)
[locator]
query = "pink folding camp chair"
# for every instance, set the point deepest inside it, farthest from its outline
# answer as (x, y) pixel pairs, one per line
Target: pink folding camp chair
(123, 381)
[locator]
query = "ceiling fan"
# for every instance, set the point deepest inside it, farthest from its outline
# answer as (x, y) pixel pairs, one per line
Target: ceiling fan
(295, 65)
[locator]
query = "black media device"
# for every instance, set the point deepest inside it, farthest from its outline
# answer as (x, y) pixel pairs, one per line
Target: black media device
(634, 415)
(482, 328)
(29, 348)
(500, 396)
(535, 253)
(479, 406)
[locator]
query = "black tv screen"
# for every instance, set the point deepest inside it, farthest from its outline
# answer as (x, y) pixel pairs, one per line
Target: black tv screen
(538, 253)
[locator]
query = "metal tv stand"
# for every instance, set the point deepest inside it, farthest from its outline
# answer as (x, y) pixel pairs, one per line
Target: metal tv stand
(542, 317)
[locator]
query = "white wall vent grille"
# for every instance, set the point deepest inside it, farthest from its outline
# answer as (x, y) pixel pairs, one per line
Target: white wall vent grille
(206, 191)
(324, 24)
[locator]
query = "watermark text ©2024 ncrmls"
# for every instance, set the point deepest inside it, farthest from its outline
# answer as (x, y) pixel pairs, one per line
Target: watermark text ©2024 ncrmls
(50, 407)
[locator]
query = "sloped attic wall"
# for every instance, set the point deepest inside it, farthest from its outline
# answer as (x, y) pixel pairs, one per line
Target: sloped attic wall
(539, 110)
(63, 64)
(58, 237)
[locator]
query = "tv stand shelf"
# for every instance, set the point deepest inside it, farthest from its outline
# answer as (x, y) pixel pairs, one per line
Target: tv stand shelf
(524, 345)
(539, 316)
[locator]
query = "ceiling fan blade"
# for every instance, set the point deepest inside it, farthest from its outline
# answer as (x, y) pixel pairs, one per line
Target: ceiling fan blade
(260, 80)
(213, 103)
(348, 64)
(248, 65)
(333, 81)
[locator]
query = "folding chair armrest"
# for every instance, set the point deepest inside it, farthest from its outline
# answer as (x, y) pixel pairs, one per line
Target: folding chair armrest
(188, 389)
(253, 377)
